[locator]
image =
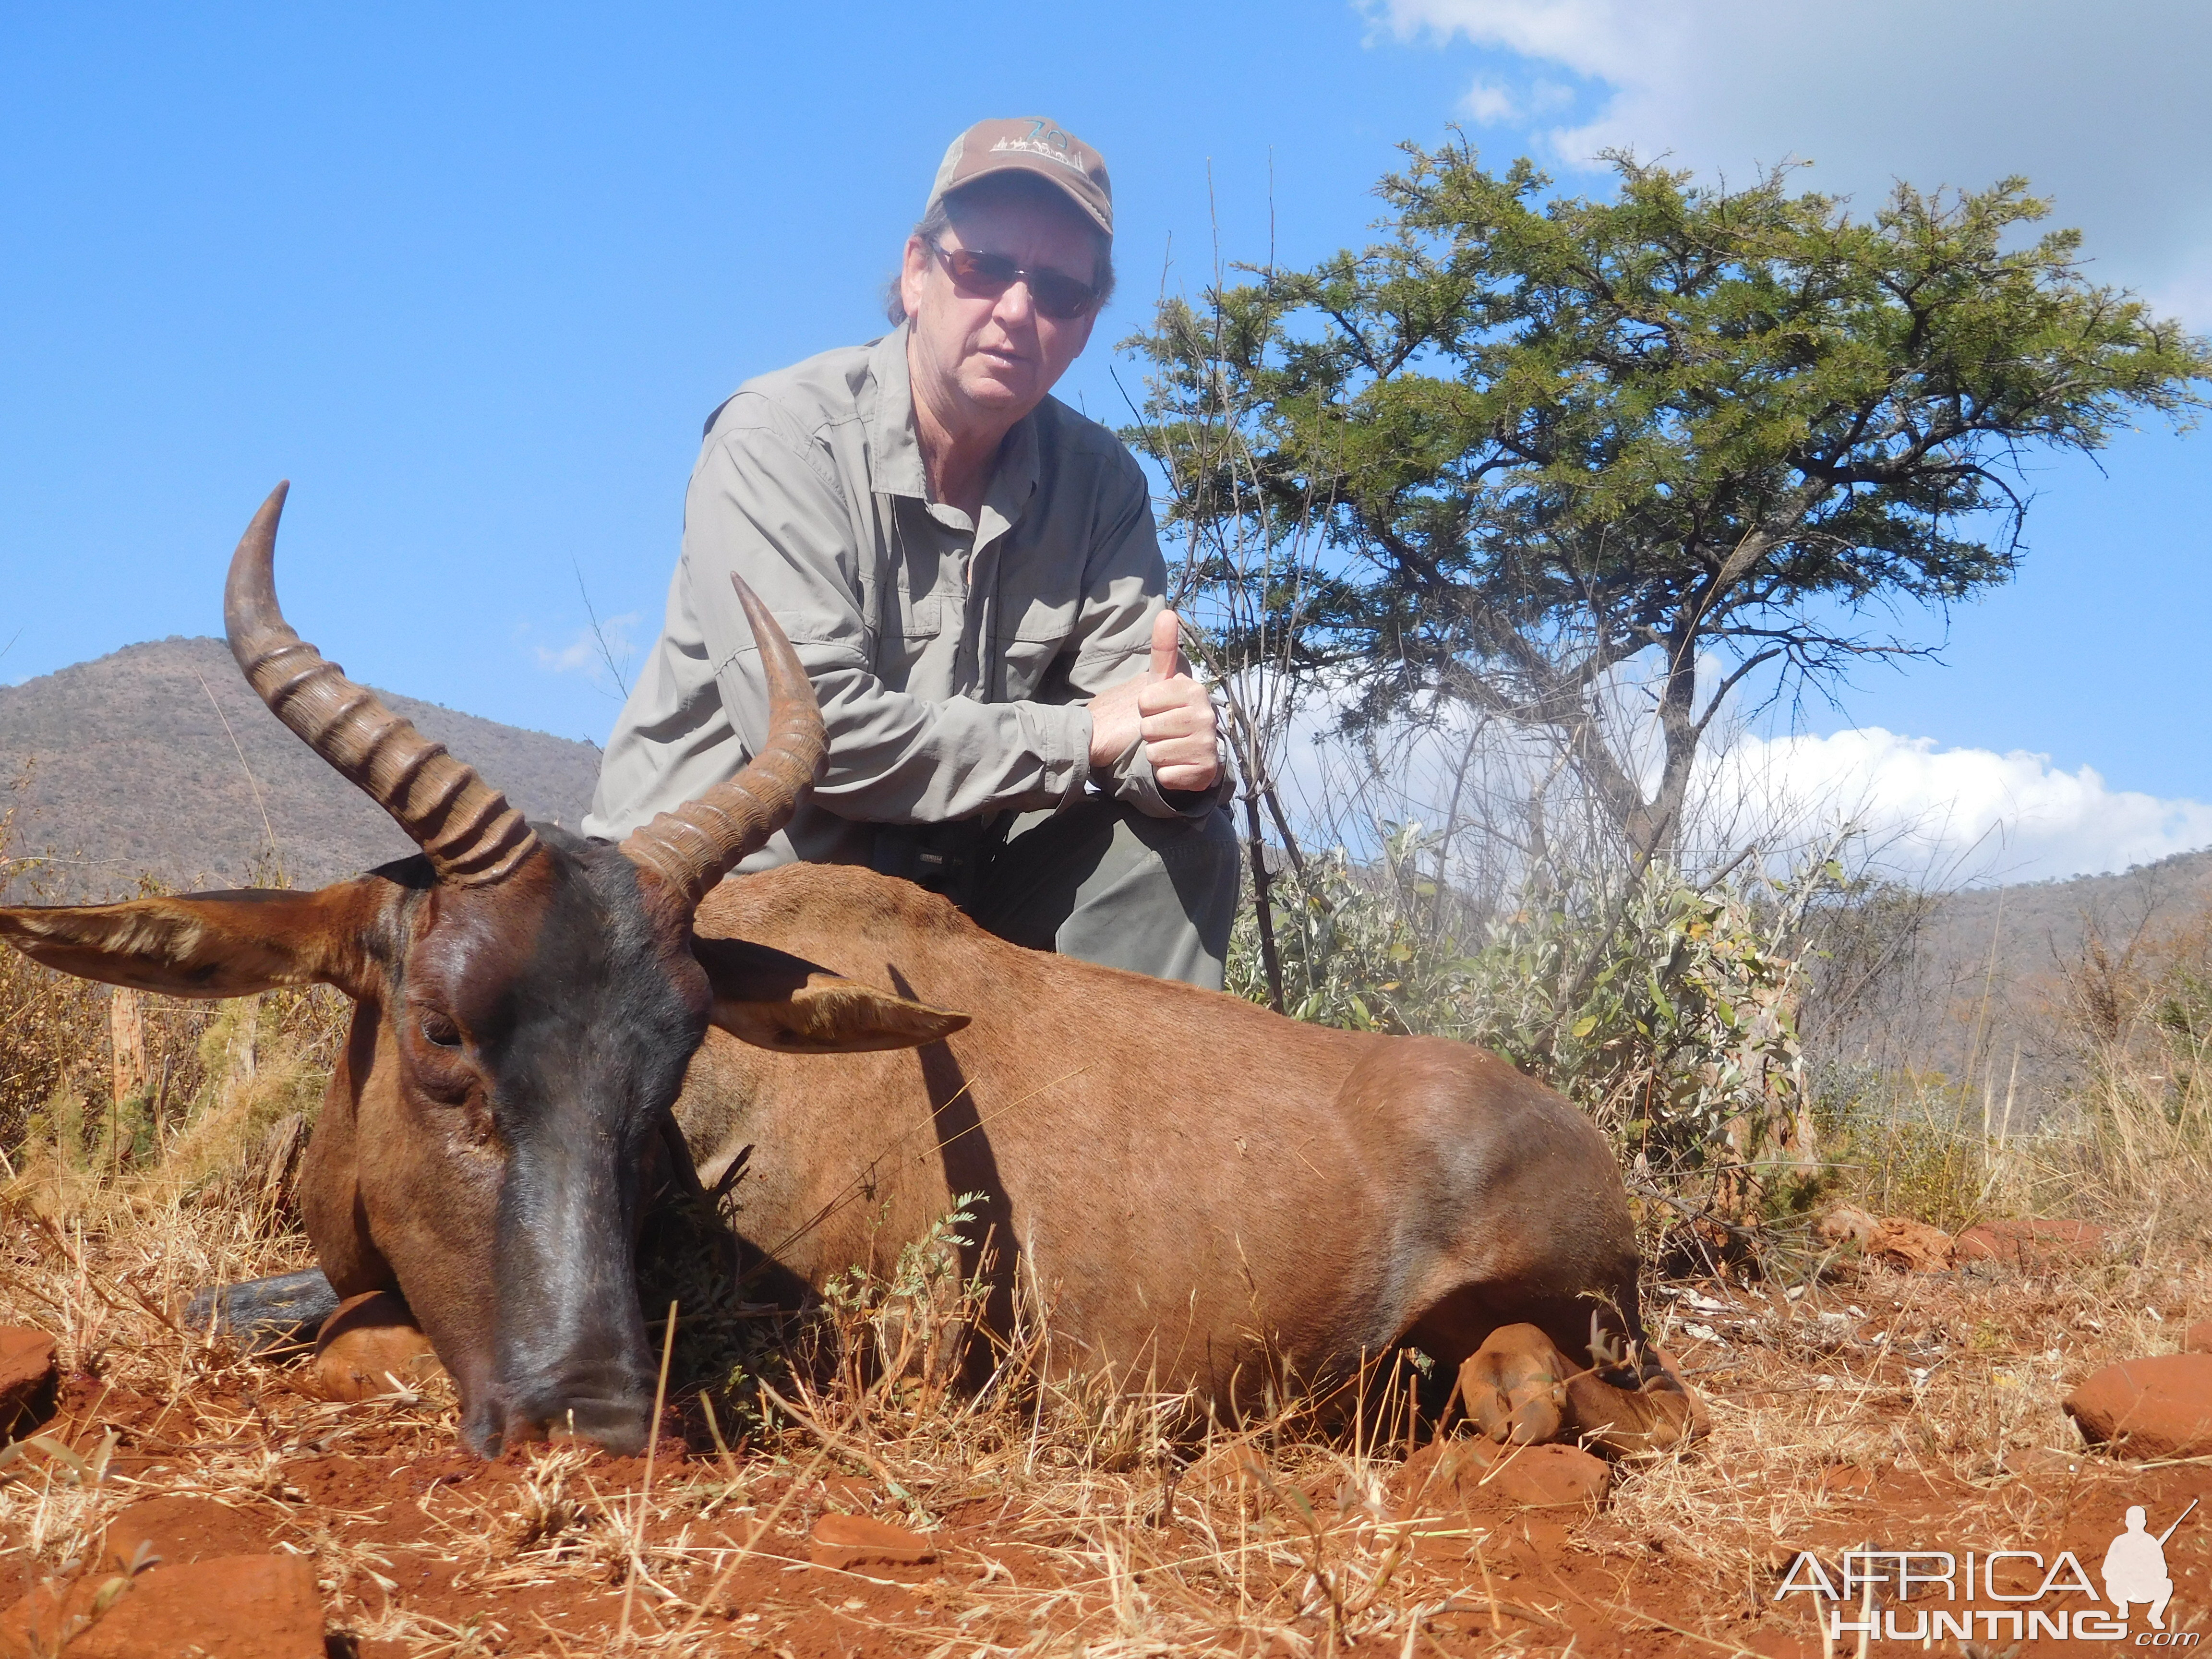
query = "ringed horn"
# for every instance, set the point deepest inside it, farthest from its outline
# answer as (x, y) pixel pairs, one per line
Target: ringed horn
(465, 828)
(701, 841)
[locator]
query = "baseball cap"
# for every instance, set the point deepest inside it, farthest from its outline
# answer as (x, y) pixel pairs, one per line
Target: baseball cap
(1028, 144)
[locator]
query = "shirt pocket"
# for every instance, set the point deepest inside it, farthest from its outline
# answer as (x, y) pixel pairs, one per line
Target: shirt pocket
(1035, 629)
(907, 626)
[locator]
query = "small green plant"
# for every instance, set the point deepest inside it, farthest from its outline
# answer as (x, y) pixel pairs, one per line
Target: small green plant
(901, 1339)
(1912, 1143)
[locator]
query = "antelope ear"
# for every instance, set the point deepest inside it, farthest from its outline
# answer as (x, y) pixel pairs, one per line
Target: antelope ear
(773, 1001)
(206, 945)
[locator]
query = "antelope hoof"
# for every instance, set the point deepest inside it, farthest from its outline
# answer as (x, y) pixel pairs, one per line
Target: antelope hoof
(1631, 1422)
(369, 1346)
(1657, 1415)
(1515, 1386)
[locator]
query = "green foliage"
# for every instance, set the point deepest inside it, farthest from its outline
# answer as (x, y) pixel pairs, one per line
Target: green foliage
(1666, 1010)
(1544, 435)
(1358, 950)
(899, 1339)
(926, 1281)
(1911, 1143)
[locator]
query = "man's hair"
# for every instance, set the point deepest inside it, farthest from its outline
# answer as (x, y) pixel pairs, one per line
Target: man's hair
(945, 213)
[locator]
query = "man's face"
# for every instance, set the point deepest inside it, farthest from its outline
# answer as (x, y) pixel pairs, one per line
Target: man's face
(983, 362)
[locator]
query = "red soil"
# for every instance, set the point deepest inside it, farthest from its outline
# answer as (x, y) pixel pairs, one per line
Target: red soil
(405, 1546)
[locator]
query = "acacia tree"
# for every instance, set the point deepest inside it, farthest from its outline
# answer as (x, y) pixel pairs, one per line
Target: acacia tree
(1555, 446)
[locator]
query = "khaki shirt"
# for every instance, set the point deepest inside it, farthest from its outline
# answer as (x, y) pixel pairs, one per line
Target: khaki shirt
(951, 659)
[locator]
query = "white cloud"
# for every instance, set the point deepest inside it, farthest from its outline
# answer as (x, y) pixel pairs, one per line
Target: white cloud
(1963, 814)
(2102, 106)
(1488, 103)
(585, 655)
(1950, 817)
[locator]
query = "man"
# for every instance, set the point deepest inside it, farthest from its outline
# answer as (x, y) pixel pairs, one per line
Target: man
(970, 571)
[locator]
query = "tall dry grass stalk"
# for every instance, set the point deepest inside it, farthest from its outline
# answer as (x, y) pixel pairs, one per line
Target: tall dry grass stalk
(90, 1155)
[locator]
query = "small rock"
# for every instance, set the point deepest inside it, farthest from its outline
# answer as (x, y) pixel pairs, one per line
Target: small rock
(178, 1531)
(2159, 1408)
(1912, 1245)
(2197, 1339)
(1444, 1465)
(27, 1376)
(2032, 1242)
(241, 1607)
(370, 1340)
(846, 1541)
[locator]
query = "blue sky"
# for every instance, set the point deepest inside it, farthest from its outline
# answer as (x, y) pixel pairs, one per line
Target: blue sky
(472, 276)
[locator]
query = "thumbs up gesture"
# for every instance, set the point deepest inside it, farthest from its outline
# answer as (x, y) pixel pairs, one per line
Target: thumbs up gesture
(1167, 710)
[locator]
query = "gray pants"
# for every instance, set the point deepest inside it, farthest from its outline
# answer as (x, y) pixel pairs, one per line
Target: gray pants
(1105, 883)
(1102, 882)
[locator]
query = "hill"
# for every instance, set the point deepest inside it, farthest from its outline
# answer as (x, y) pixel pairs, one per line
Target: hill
(1992, 985)
(159, 760)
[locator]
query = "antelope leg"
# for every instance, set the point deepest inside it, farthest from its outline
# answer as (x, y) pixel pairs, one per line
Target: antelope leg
(260, 1314)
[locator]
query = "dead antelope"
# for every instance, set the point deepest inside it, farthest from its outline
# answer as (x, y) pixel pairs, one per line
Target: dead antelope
(1199, 1189)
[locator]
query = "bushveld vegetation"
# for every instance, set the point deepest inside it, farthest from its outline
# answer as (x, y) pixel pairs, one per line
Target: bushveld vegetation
(1487, 849)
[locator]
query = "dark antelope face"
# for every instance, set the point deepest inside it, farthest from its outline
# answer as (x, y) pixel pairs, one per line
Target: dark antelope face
(526, 1004)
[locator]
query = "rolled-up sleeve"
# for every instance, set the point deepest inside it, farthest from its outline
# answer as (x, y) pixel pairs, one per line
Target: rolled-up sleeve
(764, 505)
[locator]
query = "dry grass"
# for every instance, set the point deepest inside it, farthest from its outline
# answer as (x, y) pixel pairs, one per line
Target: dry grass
(1105, 1527)
(1069, 1518)
(2130, 1141)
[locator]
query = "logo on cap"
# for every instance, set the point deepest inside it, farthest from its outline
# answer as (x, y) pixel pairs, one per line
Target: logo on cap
(1046, 140)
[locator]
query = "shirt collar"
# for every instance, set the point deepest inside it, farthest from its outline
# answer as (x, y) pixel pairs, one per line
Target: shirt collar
(894, 453)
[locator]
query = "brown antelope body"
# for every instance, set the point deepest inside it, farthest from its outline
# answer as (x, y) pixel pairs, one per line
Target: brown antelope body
(1195, 1189)
(1191, 1185)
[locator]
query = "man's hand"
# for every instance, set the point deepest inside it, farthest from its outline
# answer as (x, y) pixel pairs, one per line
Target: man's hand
(1167, 710)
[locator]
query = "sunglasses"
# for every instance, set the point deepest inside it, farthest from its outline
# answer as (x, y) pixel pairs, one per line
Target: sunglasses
(987, 276)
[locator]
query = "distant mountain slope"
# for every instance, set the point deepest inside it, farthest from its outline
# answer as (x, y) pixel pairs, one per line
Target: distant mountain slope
(1984, 991)
(132, 770)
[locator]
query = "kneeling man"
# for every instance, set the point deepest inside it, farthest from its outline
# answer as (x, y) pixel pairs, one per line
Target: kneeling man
(970, 571)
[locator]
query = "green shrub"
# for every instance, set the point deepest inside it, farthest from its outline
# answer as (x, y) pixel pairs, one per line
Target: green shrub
(1667, 1010)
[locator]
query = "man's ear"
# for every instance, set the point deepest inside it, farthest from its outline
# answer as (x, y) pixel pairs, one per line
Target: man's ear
(773, 1001)
(209, 945)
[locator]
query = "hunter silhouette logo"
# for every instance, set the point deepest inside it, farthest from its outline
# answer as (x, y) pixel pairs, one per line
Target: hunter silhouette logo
(1881, 1587)
(2135, 1567)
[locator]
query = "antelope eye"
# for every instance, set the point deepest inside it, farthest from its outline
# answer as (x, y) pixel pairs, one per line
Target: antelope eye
(437, 1029)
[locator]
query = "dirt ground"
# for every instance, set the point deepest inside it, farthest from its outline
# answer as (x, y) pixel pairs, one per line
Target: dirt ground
(1862, 1408)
